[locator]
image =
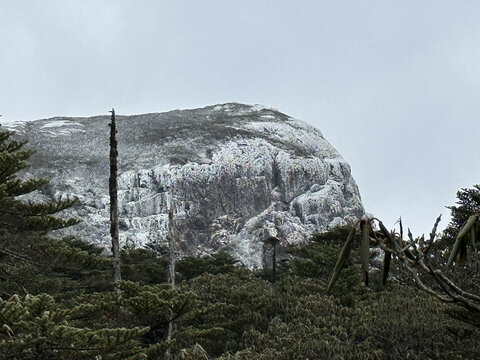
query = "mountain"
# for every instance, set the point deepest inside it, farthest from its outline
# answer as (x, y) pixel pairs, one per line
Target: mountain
(237, 174)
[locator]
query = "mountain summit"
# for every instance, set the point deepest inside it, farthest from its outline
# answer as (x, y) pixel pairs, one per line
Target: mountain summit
(236, 173)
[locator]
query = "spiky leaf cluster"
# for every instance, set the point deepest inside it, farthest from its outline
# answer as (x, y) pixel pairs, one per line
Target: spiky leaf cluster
(36, 327)
(217, 263)
(21, 219)
(24, 216)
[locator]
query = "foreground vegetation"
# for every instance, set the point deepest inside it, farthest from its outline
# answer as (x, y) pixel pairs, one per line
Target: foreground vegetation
(57, 299)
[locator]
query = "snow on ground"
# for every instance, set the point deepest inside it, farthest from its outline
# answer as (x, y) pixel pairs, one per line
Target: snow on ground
(59, 123)
(13, 125)
(306, 136)
(259, 107)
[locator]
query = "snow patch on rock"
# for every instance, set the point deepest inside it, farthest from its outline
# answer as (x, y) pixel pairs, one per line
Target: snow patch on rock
(237, 174)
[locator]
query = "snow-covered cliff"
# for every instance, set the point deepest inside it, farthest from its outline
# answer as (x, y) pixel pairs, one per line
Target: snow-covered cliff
(238, 173)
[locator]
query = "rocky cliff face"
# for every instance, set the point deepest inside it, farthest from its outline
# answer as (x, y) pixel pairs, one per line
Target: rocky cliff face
(236, 173)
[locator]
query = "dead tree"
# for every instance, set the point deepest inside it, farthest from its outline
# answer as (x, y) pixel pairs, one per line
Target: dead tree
(171, 238)
(171, 244)
(414, 256)
(117, 276)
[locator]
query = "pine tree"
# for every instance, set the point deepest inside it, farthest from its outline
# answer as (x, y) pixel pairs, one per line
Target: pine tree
(468, 203)
(37, 327)
(62, 267)
(23, 221)
(217, 263)
(92, 325)
(24, 217)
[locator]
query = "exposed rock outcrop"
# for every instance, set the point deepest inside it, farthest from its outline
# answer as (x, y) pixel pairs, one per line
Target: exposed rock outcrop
(237, 173)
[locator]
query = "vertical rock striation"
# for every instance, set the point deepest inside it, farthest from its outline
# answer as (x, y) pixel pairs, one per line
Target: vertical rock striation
(238, 173)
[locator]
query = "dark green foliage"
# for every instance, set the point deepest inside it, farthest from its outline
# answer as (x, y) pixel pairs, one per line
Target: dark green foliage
(468, 203)
(334, 237)
(55, 266)
(317, 259)
(397, 323)
(237, 315)
(36, 327)
(406, 323)
(24, 217)
(68, 308)
(144, 266)
(217, 263)
(228, 305)
(154, 306)
(312, 327)
(24, 252)
(70, 322)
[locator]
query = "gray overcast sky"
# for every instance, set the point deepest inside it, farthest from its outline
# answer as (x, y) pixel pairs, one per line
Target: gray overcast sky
(393, 85)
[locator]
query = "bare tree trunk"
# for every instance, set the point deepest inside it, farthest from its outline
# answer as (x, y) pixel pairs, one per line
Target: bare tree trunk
(272, 240)
(171, 266)
(274, 262)
(171, 245)
(117, 277)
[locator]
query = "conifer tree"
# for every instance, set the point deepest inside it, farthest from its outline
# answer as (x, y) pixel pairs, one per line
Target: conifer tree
(37, 327)
(21, 220)
(468, 203)
(19, 216)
